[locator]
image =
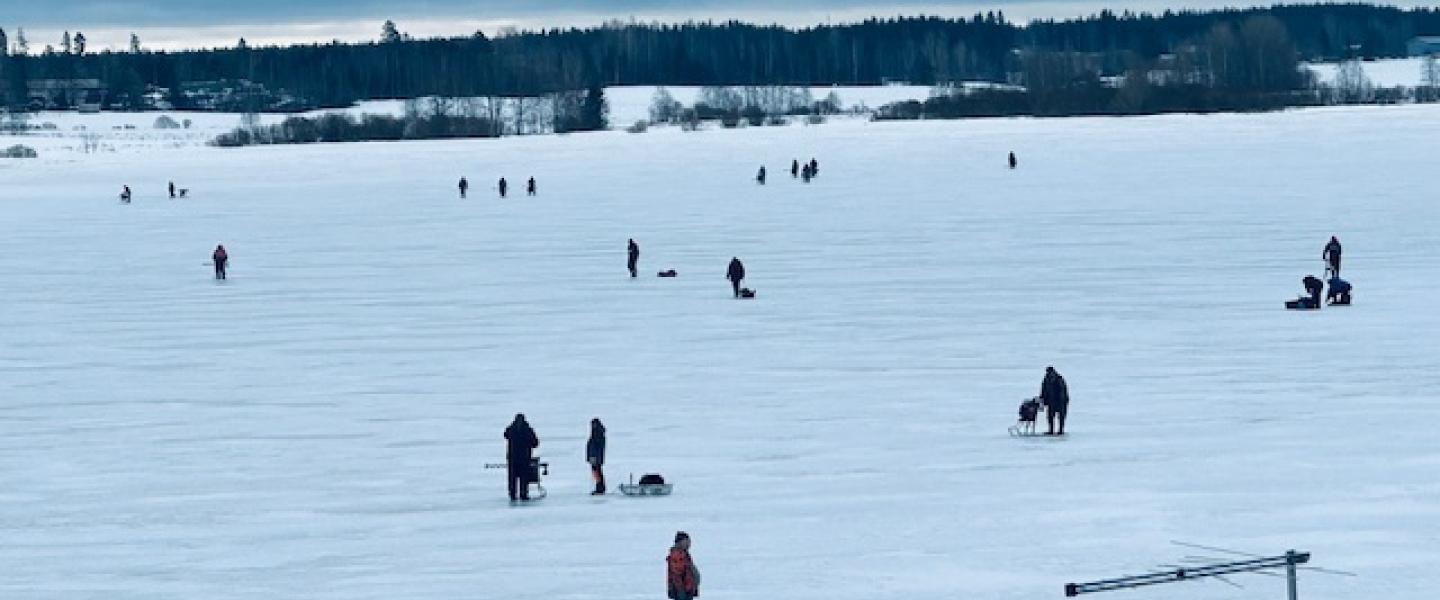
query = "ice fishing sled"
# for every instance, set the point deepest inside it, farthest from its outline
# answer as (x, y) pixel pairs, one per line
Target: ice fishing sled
(669, 273)
(1301, 304)
(1029, 412)
(651, 484)
(747, 293)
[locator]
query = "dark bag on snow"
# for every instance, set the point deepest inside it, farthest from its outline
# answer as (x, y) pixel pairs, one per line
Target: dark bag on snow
(652, 479)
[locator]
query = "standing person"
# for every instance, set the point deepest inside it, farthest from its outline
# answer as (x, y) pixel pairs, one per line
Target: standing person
(761, 176)
(125, 194)
(1332, 256)
(1013, 162)
(681, 577)
(595, 455)
(736, 274)
(520, 441)
(1056, 398)
(503, 186)
(464, 187)
(814, 168)
(530, 187)
(220, 258)
(172, 190)
(795, 168)
(633, 253)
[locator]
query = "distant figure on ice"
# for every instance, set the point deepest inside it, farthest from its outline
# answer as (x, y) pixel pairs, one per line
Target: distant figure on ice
(806, 173)
(1332, 256)
(681, 576)
(1056, 398)
(464, 187)
(530, 187)
(1339, 293)
(795, 168)
(1013, 162)
(503, 186)
(595, 455)
(125, 194)
(814, 168)
(760, 178)
(632, 252)
(1313, 288)
(520, 440)
(172, 190)
(736, 274)
(220, 259)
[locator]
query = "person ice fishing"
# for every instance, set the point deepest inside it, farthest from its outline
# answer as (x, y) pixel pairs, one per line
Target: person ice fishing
(682, 578)
(795, 168)
(1013, 162)
(814, 168)
(503, 186)
(220, 258)
(530, 187)
(736, 274)
(172, 190)
(1331, 255)
(632, 252)
(1339, 291)
(520, 441)
(760, 178)
(595, 455)
(125, 194)
(1056, 398)
(464, 187)
(1313, 289)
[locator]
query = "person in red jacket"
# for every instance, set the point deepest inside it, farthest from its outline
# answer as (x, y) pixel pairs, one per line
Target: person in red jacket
(220, 258)
(682, 578)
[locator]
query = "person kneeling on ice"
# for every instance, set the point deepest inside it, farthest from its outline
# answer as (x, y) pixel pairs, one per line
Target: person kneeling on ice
(595, 455)
(1313, 289)
(681, 577)
(520, 441)
(1339, 292)
(1056, 398)
(220, 258)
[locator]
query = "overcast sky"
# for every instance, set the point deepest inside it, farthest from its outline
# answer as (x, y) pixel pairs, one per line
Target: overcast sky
(173, 24)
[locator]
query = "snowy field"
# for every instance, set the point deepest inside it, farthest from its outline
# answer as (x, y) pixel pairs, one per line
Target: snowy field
(316, 426)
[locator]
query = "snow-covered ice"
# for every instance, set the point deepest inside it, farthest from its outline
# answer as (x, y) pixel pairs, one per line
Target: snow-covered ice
(1390, 72)
(315, 427)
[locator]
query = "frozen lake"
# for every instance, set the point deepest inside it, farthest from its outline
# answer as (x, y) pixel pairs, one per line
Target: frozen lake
(315, 427)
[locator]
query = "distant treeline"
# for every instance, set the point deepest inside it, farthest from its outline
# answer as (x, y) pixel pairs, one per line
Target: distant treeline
(916, 50)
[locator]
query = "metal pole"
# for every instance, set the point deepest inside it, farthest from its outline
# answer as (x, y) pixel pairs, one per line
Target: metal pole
(1290, 574)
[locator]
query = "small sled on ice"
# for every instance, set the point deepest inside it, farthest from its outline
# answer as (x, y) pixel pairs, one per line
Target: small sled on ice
(1025, 425)
(747, 293)
(651, 484)
(1301, 304)
(667, 273)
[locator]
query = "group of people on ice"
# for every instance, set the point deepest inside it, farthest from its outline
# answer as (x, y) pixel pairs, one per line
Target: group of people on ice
(1340, 290)
(502, 186)
(735, 272)
(126, 195)
(521, 466)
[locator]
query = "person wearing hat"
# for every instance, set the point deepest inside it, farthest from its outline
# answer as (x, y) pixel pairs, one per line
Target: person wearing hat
(1331, 256)
(682, 576)
(520, 440)
(1056, 398)
(595, 455)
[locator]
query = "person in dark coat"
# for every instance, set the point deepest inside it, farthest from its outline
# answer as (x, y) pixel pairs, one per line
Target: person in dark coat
(736, 274)
(464, 187)
(125, 194)
(530, 187)
(1339, 291)
(520, 441)
(1056, 398)
(220, 258)
(633, 253)
(1013, 162)
(595, 455)
(1313, 289)
(503, 187)
(172, 189)
(1332, 256)
(814, 168)
(760, 178)
(794, 168)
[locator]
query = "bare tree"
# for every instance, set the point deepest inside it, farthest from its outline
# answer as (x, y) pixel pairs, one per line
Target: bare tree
(664, 108)
(1352, 86)
(134, 44)
(1430, 79)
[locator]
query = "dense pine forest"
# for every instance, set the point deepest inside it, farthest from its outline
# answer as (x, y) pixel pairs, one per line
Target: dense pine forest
(919, 50)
